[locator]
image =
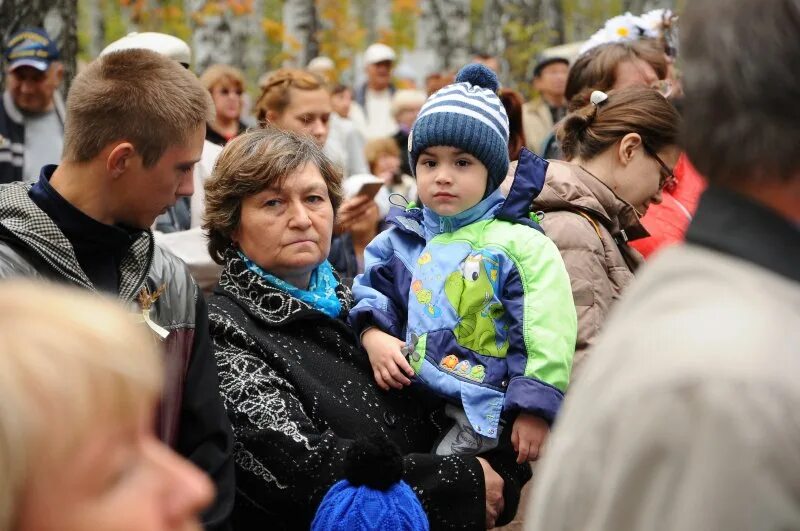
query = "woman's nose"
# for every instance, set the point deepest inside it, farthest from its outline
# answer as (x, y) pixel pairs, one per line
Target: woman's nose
(298, 216)
(186, 489)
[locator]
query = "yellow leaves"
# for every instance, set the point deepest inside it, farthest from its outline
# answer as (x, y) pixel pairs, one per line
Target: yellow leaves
(273, 29)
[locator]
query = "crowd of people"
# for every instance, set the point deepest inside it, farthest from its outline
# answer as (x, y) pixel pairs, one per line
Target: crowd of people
(390, 307)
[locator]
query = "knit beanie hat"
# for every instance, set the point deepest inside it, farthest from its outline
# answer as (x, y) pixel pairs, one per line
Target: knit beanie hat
(373, 497)
(467, 115)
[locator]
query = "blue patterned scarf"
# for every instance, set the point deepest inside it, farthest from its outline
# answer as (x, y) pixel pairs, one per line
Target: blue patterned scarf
(321, 292)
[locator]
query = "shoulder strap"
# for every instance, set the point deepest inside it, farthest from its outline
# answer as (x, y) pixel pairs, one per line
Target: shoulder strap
(590, 219)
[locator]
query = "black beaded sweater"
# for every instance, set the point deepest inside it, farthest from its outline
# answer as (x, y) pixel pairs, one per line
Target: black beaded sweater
(299, 392)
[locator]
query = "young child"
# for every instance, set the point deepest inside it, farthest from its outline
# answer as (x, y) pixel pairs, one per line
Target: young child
(466, 295)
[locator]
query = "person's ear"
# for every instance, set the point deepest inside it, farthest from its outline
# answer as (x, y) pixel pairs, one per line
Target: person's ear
(272, 116)
(58, 72)
(628, 146)
(120, 159)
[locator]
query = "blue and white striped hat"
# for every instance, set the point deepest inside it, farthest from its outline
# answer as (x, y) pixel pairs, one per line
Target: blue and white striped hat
(467, 115)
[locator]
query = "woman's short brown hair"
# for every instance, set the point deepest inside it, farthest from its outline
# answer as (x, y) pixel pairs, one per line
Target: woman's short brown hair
(597, 68)
(250, 163)
(378, 147)
(591, 130)
(275, 94)
(216, 74)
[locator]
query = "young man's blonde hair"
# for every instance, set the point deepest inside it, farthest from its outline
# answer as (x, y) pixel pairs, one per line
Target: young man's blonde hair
(137, 96)
(217, 74)
(69, 360)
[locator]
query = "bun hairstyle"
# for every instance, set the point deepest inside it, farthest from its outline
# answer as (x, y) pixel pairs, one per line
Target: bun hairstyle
(590, 130)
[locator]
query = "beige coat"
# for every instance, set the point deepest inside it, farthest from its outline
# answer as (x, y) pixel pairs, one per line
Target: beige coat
(537, 123)
(589, 225)
(687, 417)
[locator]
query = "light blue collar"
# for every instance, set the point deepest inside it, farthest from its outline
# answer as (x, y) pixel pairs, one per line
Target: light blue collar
(321, 292)
(436, 224)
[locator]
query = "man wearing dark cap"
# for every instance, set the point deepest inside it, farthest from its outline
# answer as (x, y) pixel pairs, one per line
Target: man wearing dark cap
(539, 115)
(32, 111)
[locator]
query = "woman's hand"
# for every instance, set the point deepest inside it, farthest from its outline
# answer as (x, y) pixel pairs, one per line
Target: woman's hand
(351, 210)
(494, 493)
(388, 363)
(528, 435)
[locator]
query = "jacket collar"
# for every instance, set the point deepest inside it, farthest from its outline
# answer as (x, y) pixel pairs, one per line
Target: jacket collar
(436, 224)
(570, 187)
(27, 223)
(736, 225)
(18, 118)
(262, 300)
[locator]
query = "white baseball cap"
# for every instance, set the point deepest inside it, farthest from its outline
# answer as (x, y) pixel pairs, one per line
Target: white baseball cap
(321, 64)
(378, 53)
(166, 45)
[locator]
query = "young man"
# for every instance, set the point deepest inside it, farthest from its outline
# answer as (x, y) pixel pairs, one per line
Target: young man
(135, 129)
(32, 111)
(686, 415)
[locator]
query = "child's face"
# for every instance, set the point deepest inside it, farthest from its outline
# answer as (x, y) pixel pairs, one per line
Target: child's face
(450, 180)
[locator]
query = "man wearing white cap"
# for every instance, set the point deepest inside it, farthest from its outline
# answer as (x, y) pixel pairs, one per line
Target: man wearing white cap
(32, 110)
(375, 96)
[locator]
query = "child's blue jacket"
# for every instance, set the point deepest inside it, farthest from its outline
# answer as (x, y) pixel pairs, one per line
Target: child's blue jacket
(483, 296)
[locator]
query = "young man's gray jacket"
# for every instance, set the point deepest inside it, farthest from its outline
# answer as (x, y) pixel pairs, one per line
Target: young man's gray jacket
(192, 418)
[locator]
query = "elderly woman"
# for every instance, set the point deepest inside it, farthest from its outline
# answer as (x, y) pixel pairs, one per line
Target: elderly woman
(297, 388)
(226, 85)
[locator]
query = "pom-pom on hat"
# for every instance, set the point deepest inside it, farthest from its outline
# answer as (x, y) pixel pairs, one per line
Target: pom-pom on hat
(467, 115)
(374, 496)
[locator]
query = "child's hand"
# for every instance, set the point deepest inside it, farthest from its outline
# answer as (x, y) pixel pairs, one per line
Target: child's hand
(528, 436)
(388, 363)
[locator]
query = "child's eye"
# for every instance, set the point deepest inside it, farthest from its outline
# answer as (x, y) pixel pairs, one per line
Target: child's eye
(462, 163)
(429, 163)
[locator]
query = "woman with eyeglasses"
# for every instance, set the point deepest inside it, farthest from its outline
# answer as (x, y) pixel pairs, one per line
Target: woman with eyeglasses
(226, 85)
(620, 152)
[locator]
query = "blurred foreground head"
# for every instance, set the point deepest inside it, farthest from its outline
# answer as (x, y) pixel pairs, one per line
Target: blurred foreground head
(79, 382)
(742, 105)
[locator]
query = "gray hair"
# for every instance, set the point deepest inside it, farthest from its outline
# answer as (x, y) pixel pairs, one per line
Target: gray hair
(742, 107)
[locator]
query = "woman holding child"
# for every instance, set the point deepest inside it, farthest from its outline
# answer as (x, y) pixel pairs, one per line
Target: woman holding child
(297, 387)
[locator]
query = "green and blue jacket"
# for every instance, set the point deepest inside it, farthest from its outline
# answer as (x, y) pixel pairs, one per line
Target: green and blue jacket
(483, 298)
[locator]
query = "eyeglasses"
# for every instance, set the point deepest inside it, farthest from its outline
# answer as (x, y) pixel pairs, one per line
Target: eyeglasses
(667, 173)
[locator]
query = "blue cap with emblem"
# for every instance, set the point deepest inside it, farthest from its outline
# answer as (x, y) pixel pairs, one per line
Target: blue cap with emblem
(31, 47)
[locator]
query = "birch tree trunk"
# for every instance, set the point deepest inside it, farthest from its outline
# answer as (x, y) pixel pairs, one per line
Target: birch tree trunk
(445, 29)
(58, 17)
(301, 23)
(219, 35)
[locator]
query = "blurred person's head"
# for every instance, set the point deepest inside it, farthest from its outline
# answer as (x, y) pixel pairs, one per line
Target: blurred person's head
(324, 67)
(406, 105)
(628, 139)
(379, 60)
(437, 80)
(226, 85)
(383, 157)
(80, 383)
(162, 43)
(742, 122)
(273, 196)
(550, 79)
(296, 101)
(136, 121)
(33, 70)
(513, 102)
(488, 60)
(342, 100)
(616, 65)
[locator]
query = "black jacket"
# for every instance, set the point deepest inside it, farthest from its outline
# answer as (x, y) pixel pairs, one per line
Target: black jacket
(299, 392)
(191, 416)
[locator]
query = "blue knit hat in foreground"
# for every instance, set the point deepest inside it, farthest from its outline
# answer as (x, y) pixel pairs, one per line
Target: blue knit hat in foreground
(467, 115)
(373, 497)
